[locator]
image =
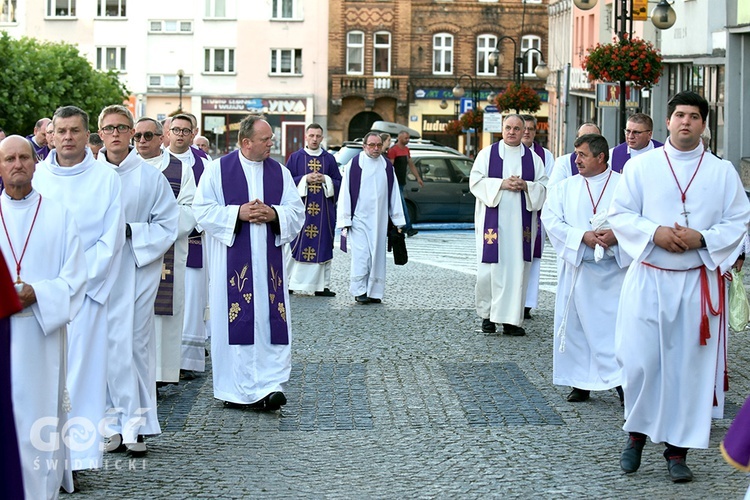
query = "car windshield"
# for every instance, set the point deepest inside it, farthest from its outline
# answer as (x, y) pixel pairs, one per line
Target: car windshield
(345, 154)
(462, 165)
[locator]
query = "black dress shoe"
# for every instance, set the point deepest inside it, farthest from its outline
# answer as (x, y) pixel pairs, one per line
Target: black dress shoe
(630, 459)
(679, 472)
(187, 375)
(527, 313)
(621, 394)
(275, 400)
(488, 326)
(513, 330)
(578, 395)
(235, 406)
(412, 232)
(325, 293)
(362, 299)
(375, 301)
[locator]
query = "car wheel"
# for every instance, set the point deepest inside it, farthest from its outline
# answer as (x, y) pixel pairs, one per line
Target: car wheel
(412, 211)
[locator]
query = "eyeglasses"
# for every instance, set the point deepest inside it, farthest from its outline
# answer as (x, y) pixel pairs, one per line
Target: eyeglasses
(110, 129)
(374, 144)
(181, 131)
(146, 135)
(635, 132)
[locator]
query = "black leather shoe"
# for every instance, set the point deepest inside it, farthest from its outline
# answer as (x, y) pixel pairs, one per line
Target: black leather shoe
(275, 400)
(375, 301)
(325, 293)
(630, 459)
(679, 472)
(488, 326)
(621, 394)
(578, 395)
(513, 330)
(114, 444)
(362, 299)
(527, 313)
(412, 232)
(235, 406)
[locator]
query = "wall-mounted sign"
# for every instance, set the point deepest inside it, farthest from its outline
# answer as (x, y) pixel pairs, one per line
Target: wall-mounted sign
(254, 105)
(608, 96)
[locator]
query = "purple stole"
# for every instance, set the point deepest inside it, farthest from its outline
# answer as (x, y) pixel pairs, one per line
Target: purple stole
(573, 166)
(165, 293)
(620, 155)
(241, 311)
(314, 244)
(490, 254)
(41, 151)
(539, 150)
(195, 247)
(736, 444)
(199, 152)
(355, 179)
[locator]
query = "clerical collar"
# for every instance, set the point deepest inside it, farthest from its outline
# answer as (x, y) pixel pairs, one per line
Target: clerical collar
(600, 176)
(31, 193)
(636, 152)
(682, 155)
(249, 163)
(313, 152)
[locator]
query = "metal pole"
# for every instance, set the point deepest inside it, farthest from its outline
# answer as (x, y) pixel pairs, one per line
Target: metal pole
(626, 13)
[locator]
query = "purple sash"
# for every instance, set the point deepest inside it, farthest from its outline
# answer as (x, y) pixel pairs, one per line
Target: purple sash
(165, 294)
(355, 179)
(490, 254)
(195, 248)
(539, 150)
(573, 166)
(620, 155)
(241, 311)
(736, 444)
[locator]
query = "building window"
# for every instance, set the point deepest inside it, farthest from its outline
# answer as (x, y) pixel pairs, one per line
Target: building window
(485, 45)
(164, 26)
(381, 54)
(355, 53)
(283, 9)
(168, 81)
(110, 58)
(216, 8)
(219, 61)
(111, 8)
(61, 8)
(530, 59)
(442, 54)
(7, 11)
(286, 61)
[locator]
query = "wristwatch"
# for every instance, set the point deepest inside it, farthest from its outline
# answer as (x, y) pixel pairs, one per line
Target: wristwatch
(703, 242)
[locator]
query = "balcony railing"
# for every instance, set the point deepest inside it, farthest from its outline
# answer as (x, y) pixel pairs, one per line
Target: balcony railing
(369, 87)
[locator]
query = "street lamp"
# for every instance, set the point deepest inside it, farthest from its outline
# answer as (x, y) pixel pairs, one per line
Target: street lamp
(663, 17)
(180, 84)
(541, 70)
(459, 92)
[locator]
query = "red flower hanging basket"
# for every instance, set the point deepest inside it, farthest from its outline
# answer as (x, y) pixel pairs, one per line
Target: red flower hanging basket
(519, 98)
(634, 60)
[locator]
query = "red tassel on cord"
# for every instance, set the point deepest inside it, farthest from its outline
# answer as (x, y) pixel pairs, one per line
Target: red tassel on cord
(705, 330)
(726, 381)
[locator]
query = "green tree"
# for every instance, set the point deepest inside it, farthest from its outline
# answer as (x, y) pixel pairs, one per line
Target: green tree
(37, 77)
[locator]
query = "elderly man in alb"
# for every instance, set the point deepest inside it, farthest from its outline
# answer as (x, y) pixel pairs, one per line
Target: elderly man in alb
(318, 180)
(151, 217)
(679, 212)
(363, 215)
(593, 268)
(91, 192)
(49, 265)
(508, 181)
(249, 207)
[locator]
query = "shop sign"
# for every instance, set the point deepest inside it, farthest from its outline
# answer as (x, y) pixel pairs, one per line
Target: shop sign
(254, 105)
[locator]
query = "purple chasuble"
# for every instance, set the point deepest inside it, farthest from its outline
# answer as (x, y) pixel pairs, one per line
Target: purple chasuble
(736, 444)
(620, 155)
(11, 481)
(314, 244)
(41, 151)
(490, 254)
(355, 180)
(195, 247)
(241, 310)
(163, 306)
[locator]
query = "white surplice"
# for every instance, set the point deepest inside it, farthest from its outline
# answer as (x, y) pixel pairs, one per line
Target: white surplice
(532, 292)
(169, 328)
(588, 292)
(245, 374)
(560, 170)
(368, 226)
(54, 265)
(91, 192)
(670, 380)
(501, 287)
(193, 337)
(150, 209)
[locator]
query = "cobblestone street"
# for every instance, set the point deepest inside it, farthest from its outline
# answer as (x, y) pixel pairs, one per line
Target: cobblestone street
(408, 399)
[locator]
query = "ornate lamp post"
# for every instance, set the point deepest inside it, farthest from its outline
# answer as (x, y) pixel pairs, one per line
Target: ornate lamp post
(180, 84)
(459, 92)
(663, 17)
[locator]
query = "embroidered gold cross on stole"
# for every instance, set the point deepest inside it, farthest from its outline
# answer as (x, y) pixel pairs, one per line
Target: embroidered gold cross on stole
(314, 165)
(165, 271)
(527, 234)
(312, 231)
(314, 188)
(490, 236)
(313, 208)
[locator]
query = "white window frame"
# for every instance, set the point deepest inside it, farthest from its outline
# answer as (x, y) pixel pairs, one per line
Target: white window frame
(158, 82)
(376, 47)
(101, 9)
(8, 11)
(352, 49)
(210, 11)
(69, 7)
(229, 61)
(531, 59)
(295, 62)
(277, 10)
(442, 53)
(164, 24)
(120, 58)
(486, 44)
